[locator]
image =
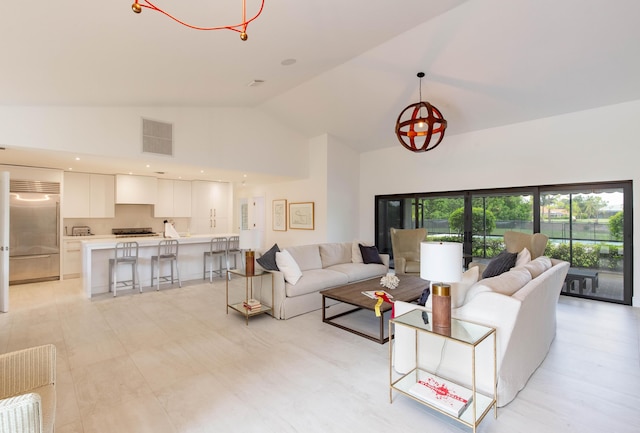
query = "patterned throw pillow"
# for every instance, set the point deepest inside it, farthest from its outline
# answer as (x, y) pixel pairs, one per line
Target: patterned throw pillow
(502, 263)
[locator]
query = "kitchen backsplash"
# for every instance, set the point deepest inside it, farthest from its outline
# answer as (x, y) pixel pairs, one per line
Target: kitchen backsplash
(127, 215)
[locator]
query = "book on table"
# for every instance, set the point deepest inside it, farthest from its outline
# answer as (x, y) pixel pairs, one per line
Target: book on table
(252, 304)
(372, 293)
(442, 394)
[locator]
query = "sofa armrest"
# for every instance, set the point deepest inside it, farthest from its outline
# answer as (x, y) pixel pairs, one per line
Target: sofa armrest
(21, 414)
(481, 267)
(27, 369)
(385, 260)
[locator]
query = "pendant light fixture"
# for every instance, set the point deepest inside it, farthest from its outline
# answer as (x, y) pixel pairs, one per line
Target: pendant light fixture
(240, 28)
(419, 124)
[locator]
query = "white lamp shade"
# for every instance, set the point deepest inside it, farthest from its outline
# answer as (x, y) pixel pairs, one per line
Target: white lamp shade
(250, 239)
(441, 261)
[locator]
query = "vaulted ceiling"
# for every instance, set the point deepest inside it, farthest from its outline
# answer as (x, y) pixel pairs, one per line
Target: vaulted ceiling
(487, 62)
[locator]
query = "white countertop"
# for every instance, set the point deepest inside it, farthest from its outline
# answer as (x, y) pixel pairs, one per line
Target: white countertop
(93, 243)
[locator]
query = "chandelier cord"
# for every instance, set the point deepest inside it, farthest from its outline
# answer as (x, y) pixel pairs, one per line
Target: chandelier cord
(234, 27)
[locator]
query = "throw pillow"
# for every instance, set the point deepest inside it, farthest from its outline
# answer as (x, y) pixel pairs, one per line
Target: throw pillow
(502, 263)
(288, 267)
(370, 255)
(268, 259)
(356, 255)
(459, 290)
(524, 257)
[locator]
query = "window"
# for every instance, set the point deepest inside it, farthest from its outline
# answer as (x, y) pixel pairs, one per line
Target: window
(585, 224)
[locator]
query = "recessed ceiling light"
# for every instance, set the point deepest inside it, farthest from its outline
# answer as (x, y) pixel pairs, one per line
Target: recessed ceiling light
(201, 171)
(148, 165)
(77, 158)
(288, 62)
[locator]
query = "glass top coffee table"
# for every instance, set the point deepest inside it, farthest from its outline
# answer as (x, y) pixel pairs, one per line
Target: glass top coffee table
(409, 289)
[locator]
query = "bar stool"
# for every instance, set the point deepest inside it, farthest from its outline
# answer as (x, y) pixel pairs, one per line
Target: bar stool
(234, 250)
(217, 248)
(125, 253)
(167, 252)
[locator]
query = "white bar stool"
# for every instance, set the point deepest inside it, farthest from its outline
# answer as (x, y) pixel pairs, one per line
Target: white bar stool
(167, 252)
(218, 248)
(125, 253)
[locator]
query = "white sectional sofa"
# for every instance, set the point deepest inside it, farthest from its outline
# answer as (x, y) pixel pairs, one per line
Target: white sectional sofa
(520, 304)
(323, 266)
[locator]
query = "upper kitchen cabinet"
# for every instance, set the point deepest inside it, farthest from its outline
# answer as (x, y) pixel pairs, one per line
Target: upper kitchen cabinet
(87, 195)
(173, 200)
(136, 189)
(210, 207)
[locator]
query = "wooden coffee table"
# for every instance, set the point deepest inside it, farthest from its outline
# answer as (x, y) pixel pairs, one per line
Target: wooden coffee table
(409, 289)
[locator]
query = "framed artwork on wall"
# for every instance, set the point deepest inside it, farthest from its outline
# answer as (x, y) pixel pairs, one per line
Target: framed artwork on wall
(279, 217)
(301, 216)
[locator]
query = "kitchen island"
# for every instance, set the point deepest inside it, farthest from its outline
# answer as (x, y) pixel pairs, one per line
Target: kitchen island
(97, 252)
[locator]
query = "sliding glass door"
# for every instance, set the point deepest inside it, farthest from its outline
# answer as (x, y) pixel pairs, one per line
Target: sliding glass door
(585, 224)
(586, 227)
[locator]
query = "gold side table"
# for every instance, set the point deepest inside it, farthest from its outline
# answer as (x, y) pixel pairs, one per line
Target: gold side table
(468, 334)
(239, 306)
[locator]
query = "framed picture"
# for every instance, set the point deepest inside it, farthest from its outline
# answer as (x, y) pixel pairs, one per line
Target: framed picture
(279, 217)
(301, 216)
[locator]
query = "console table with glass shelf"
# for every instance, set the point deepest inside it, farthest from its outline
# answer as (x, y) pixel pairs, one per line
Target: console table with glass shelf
(469, 334)
(248, 280)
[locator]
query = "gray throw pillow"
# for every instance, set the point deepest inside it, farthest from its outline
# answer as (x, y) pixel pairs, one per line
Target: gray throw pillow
(268, 259)
(501, 264)
(370, 255)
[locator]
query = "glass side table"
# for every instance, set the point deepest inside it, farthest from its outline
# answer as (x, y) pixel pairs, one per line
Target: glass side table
(240, 306)
(413, 383)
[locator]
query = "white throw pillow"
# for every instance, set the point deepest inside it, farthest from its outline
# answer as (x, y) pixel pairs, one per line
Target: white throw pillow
(523, 258)
(288, 267)
(459, 289)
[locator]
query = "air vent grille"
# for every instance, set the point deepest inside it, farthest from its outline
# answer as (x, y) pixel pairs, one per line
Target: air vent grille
(157, 137)
(16, 185)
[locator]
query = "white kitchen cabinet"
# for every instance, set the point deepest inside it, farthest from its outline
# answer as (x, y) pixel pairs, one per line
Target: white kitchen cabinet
(71, 258)
(88, 195)
(210, 207)
(173, 199)
(131, 189)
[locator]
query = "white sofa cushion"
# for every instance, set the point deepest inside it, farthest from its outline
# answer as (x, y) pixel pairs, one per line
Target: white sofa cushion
(335, 253)
(538, 265)
(523, 258)
(459, 290)
(507, 283)
(359, 271)
(288, 266)
(306, 256)
(315, 280)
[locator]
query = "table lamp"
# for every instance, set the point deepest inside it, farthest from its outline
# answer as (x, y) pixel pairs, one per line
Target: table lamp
(249, 241)
(441, 263)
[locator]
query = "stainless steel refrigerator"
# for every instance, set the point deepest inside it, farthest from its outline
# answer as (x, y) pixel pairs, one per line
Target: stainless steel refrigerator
(34, 231)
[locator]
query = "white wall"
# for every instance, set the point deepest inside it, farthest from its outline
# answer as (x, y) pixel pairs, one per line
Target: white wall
(588, 146)
(343, 164)
(229, 138)
(312, 188)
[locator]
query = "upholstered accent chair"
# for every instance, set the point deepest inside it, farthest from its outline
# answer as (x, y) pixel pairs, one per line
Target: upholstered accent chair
(536, 243)
(405, 244)
(27, 390)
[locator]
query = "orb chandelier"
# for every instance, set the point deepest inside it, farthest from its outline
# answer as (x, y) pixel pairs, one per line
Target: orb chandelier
(419, 123)
(240, 28)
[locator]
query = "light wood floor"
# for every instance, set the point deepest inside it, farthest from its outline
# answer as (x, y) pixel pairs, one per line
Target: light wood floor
(174, 361)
